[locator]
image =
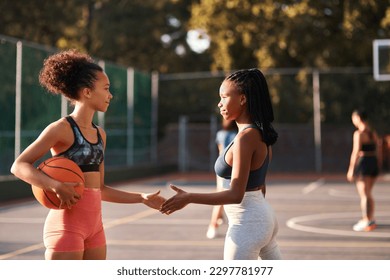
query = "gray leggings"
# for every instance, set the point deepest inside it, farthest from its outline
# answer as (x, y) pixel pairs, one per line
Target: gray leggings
(252, 229)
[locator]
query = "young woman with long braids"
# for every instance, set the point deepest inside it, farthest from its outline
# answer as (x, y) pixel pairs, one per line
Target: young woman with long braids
(244, 98)
(75, 231)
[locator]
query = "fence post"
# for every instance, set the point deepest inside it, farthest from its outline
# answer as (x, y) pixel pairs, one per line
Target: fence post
(213, 145)
(101, 114)
(130, 117)
(64, 106)
(183, 120)
(154, 124)
(18, 98)
(317, 120)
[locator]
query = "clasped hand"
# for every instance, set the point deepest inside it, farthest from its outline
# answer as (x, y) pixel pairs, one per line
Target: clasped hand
(67, 194)
(176, 202)
(153, 200)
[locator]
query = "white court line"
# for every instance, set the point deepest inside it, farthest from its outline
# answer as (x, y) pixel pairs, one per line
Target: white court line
(130, 219)
(108, 225)
(21, 251)
(293, 223)
(5, 220)
(337, 244)
(172, 222)
(343, 194)
(169, 243)
(354, 195)
(220, 243)
(313, 186)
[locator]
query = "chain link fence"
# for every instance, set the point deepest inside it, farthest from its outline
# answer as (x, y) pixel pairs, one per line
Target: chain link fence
(26, 108)
(312, 113)
(312, 109)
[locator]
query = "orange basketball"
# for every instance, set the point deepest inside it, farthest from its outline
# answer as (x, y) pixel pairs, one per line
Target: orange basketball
(60, 169)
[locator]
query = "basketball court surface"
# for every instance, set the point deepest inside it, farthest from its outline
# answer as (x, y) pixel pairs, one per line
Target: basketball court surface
(315, 213)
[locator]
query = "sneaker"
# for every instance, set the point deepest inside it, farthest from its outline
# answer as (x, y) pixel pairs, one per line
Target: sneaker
(364, 226)
(211, 232)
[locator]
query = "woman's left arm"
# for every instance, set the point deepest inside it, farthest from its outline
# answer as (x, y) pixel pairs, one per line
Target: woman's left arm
(109, 194)
(242, 155)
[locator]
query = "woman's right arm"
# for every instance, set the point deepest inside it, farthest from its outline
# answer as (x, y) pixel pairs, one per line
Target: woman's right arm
(24, 169)
(354, 155)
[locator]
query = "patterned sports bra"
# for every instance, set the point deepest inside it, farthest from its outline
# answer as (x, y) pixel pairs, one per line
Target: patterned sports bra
(87, 155)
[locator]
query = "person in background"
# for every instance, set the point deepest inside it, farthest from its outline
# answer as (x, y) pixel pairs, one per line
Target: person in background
(223, 138)
(75, 231)
(364, 168)
(252, 230)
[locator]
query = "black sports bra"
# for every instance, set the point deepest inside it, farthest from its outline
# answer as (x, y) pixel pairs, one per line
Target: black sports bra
(368, 147)
(371, 145)
(256, 177)
(87, 155)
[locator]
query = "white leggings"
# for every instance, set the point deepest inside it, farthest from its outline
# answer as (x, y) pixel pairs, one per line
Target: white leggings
(252, 229)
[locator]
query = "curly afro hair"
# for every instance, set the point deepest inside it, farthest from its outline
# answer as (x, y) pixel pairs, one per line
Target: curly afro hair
(67, 72)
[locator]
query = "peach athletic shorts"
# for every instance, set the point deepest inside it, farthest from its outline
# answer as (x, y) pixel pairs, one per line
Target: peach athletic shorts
(78, 228)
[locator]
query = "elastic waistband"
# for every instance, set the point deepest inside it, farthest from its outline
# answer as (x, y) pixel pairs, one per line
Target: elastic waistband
(92, 189)
(260, 188)
(249, 197)
(89, 167)
(90, 200)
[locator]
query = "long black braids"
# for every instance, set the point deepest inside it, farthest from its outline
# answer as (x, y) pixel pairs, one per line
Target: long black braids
(253, 84)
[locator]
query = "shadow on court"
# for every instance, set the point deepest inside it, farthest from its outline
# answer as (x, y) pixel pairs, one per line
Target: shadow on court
(315, 212)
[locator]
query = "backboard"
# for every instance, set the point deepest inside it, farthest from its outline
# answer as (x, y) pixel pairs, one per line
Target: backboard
(381, 59)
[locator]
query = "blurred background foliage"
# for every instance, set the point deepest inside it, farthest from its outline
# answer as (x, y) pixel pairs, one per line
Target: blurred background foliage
(151, 35)
(225, 35)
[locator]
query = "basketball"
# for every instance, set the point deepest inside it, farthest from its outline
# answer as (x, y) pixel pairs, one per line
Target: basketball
(60, 169)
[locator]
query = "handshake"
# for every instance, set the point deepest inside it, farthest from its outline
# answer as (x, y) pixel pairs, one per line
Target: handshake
(167, 206)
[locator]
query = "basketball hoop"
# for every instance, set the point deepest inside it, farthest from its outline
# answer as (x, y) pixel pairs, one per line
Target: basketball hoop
(381, 59)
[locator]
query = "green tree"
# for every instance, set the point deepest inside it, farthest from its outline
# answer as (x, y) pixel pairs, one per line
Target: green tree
(307, 33)
(129, 32)
(52, 23)
(146, 34)
(300, 34)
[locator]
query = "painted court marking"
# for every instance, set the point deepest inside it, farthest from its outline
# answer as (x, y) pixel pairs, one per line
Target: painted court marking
(295, 223)
(6, 220)
(354, 195)
(313, 186)
(169, 243)
(220, 243)
(108, 225)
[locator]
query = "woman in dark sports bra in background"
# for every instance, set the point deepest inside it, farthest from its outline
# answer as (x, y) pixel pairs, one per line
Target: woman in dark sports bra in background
(363, 168)
(244, 98)
(76, 231)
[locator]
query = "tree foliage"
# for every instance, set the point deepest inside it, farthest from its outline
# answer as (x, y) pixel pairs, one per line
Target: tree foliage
(306, 33)
(128, 32)
(243, 33)
(43, 22)
(151, 35)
